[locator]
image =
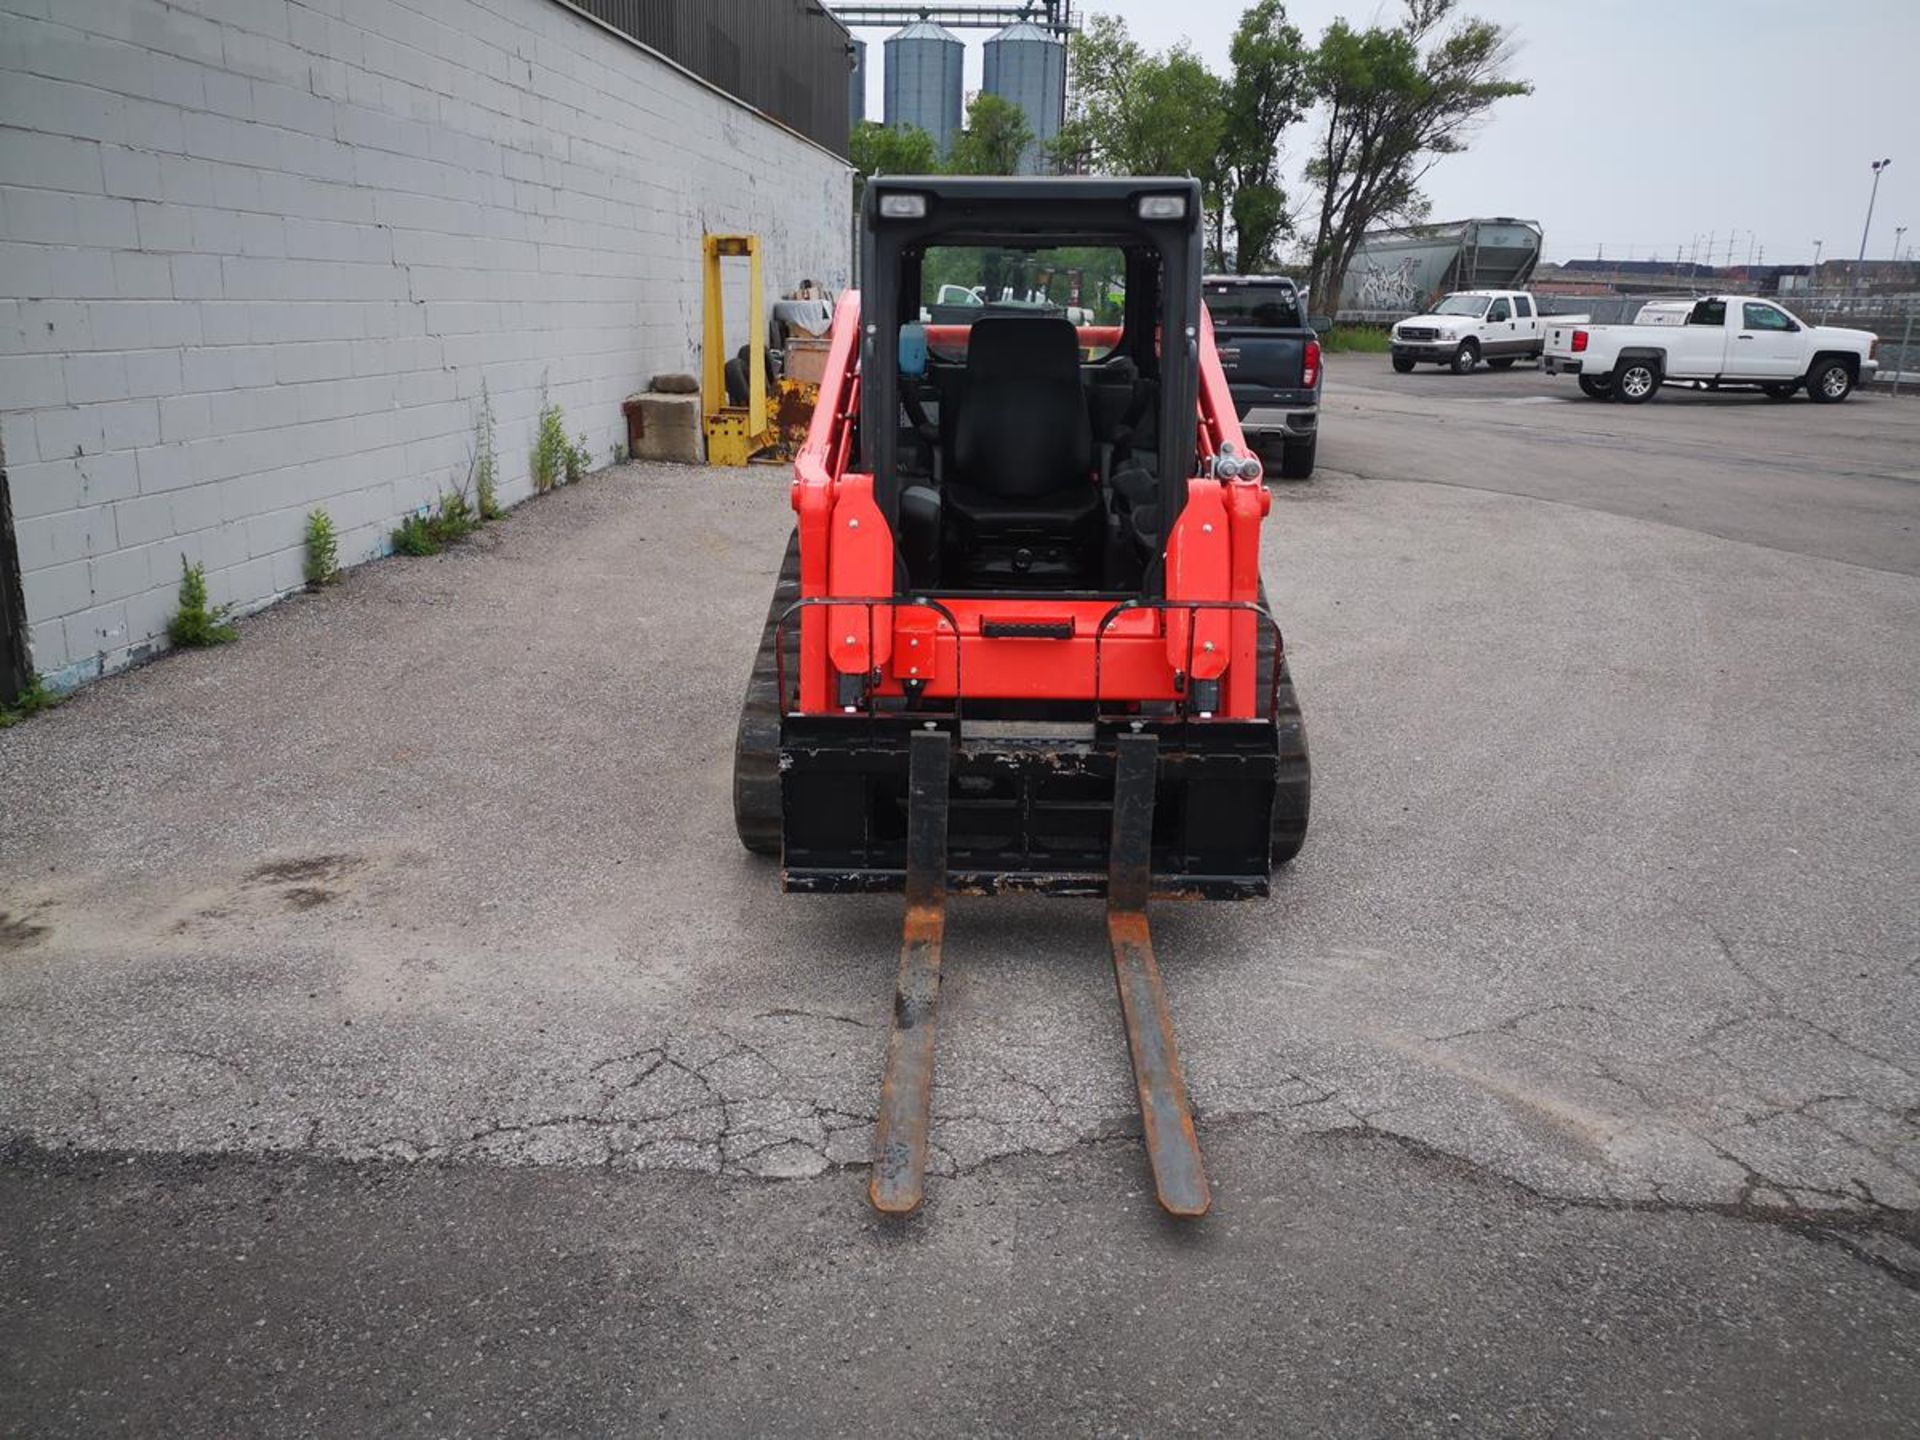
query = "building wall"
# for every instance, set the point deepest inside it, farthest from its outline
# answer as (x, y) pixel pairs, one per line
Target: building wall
(257, 256)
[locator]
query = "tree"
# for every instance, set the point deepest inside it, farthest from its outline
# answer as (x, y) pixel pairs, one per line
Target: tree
(1393, 109)
(877, 149)
(1139, 113)
(995, 137)
(1268, 91)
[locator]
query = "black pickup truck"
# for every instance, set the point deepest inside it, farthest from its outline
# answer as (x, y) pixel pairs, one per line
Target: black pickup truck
(1270, 349)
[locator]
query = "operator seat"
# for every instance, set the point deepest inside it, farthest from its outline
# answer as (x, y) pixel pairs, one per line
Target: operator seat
(1021, 506)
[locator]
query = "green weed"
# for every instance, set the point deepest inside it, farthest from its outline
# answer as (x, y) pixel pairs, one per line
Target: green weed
(198, 624)
(323, 550)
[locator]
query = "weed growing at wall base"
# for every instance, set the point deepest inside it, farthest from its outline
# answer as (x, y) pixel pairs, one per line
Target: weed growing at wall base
(30, 701)
(323, 550)
(197, 624)
(486, 461)
(433, 532)
(554, 457)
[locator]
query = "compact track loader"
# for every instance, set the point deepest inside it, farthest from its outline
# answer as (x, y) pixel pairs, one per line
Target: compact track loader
(1019, 640)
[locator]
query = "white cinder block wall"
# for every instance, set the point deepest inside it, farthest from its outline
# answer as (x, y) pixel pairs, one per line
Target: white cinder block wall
(258, 255)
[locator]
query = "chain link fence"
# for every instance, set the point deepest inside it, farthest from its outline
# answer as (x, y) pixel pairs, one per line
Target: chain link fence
(1894, 318)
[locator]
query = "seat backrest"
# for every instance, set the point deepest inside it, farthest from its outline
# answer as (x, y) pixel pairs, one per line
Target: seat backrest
(1023, 428)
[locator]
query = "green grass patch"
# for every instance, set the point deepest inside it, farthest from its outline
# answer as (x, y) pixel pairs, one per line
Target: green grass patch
(30, 701)
(1357, 340)
(433, 532)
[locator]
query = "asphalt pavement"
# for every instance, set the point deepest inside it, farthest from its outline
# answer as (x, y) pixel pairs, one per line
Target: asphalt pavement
(395, 1037)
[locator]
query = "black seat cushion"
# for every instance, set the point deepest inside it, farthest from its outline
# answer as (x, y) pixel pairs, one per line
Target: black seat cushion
(1023, 432)
(1060, 512)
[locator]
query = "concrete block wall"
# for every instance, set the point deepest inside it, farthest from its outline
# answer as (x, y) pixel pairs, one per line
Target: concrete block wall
(257, 256)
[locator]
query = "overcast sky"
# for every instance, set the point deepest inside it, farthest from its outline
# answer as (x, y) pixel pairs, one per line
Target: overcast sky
(1650, 127)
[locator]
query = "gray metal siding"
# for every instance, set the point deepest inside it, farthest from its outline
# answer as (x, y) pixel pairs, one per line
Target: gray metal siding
(788, 58)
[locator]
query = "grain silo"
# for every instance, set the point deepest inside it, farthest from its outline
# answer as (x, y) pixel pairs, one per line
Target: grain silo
(923, 81)
(857, 81)
(1028, 66)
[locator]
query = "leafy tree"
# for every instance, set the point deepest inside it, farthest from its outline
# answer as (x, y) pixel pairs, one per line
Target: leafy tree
(1140, 114)
(1103, 59)
(995, 137)
(877, 149)
(1268, 91)
(1397, 100)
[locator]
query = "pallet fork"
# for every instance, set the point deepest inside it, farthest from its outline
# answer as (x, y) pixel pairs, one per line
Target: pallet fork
(900, 1137)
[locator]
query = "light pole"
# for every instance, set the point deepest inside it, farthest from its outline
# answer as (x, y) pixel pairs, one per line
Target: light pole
(1899, 233)
(1872, 195)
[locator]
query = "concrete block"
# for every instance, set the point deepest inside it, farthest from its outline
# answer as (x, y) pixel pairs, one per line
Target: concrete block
(163, 226)
(143, 519)
(80, 274)
(124, 572)
(163, 468)
(153, 372)
(98, 630)
(665, 427)
(49, 162)
(139, 276)
(107, 477)
(131, 174)
(58, 539)
(30, 382)
(95, 375)
(184, 417)
(56, 590)
(59, 107)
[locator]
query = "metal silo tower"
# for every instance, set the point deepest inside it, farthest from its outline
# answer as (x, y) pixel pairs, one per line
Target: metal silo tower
(857, 84)
(1026, 65)
(923, 81)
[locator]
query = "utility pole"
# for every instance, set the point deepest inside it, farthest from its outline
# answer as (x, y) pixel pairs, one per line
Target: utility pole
(1872, 195)
(1816, 255)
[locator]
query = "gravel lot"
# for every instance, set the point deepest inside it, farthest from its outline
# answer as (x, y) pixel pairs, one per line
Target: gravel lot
(1569, 1081)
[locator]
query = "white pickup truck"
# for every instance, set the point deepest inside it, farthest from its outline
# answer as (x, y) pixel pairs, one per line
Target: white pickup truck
(1468, 326)
(1721, 340)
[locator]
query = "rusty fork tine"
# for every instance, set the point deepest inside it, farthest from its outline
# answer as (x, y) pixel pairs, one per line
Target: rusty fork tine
(906, 1096)
(1174, 1150)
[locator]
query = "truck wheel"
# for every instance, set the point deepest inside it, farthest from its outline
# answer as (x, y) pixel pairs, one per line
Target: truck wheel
(1402, 364)
(1296, 459)
(1500, 362)
(1829, 382)
(1595, 387)
(1635, 381)
(1466, 357)
(1778, 392)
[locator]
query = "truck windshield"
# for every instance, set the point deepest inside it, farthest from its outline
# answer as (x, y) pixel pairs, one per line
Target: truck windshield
(1475, 305)
(1264, 307)
(959, 284)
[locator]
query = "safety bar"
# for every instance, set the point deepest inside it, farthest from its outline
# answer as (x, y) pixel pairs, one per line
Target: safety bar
(1192, 607)
(869, 604)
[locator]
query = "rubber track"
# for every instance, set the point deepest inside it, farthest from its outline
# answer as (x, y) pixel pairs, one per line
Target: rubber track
(1293, 795)
(756, 746)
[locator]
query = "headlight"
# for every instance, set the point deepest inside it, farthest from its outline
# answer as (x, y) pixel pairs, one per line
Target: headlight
(1163, 207)
(903, 207)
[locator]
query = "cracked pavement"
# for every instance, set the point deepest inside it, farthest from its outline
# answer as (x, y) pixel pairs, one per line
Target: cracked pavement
(1609, 895)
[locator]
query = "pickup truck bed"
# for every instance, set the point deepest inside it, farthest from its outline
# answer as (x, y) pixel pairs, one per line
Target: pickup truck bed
(1723, 340)
(1272, 361)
